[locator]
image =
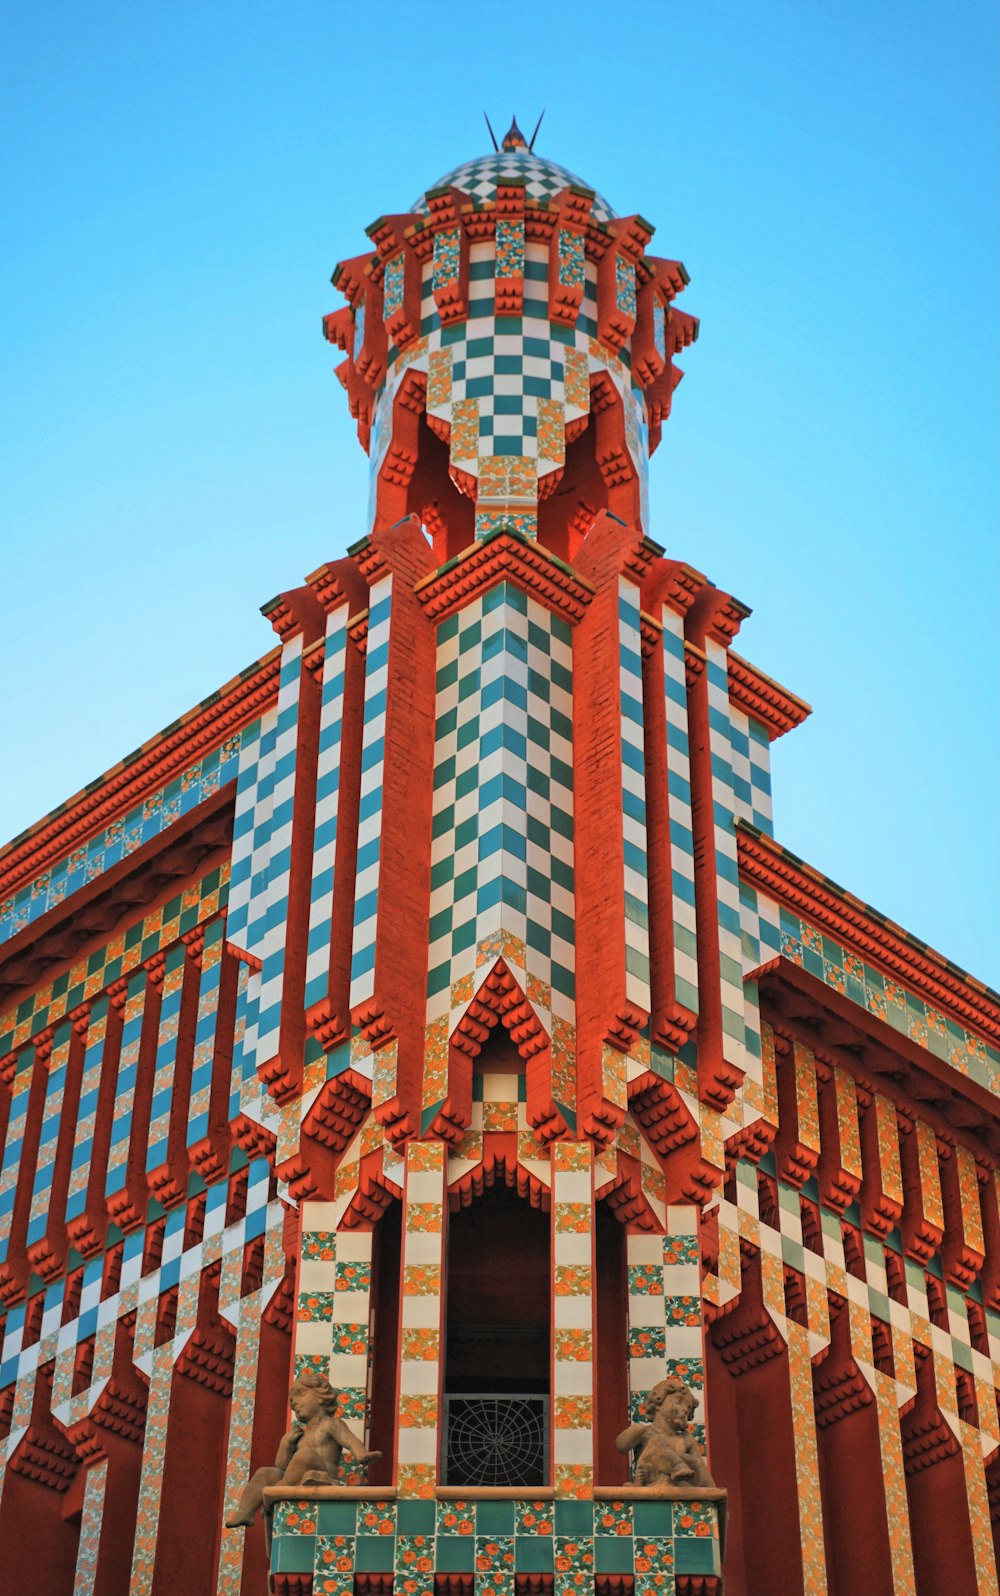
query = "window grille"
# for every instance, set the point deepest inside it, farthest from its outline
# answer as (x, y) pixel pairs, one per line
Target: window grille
(496, 1439)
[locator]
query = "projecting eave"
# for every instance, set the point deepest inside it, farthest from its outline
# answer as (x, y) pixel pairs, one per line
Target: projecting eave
(806, 891)
(762, 698)
(140, 773)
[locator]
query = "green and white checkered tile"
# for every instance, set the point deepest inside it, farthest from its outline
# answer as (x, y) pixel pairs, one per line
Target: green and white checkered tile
(679, 809)
(327, 799)
(272, 977)
(734, 1011)
(633, 779)
(543, 180)
(252, 835)
(366, 901)
(502, 830)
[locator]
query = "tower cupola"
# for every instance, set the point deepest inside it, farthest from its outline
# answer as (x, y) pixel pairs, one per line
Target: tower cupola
(509, 348)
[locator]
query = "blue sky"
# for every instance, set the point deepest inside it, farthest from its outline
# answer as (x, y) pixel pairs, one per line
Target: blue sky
(179, 181)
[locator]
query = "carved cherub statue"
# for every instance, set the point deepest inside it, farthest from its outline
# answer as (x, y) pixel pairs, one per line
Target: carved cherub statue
(311, 1451)
(666, 1454)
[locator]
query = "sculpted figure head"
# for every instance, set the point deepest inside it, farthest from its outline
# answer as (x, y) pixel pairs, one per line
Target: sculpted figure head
(312, 1393)
(671, 1405)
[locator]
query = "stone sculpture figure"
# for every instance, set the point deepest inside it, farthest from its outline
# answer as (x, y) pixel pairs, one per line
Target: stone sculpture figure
(310, 1453)
(667, 1456)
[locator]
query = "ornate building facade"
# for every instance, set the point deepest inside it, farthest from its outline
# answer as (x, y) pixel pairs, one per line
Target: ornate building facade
(433, 1011)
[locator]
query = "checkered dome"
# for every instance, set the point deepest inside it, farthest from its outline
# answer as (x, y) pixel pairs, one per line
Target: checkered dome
(544, 179)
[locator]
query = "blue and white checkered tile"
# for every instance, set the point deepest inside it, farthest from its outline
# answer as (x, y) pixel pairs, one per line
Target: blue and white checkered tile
(633, 777)
(14, 1146)
(679, 808)
(252, 836)
(727, 873)
(279, 865)
(366, 901)
(750, 767)
(327, 799)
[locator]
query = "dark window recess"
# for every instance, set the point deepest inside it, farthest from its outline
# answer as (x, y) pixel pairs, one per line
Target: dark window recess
(496, 1375)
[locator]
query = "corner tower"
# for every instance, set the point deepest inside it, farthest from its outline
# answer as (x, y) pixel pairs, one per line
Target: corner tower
(431, 1016)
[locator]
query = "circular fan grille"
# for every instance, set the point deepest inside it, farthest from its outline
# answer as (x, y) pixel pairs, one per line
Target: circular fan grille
(496, 1440)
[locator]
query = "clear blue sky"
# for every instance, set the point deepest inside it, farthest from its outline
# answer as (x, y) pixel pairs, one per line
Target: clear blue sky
(179, 179)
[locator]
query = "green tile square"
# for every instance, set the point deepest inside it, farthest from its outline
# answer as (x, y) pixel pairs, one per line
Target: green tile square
(694, 1554)
(455, 1554)
(494, 1517)
(336, 1518)
(293, 1554)
(533, 1554)
(415, 1517)
(613, 1554)
(373, 1554)
(653, 1518)
(574, 1518)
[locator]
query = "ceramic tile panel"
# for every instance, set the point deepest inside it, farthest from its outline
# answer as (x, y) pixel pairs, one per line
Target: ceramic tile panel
(282, 810)
(91, 975)
(205, 1032)
(679, 809)
(633, 780)
(772, 930)
(83, 1146)
(501, 863)
(252, 835)
(168, 1032)
(543, 180)
(91, 1520)
(735, 1012)
(55, 1089)
(151, 1478)
(369, 831)
(572, 1322)
(425, 1206)
(122, 838)
(327, 806)
(125, 1084)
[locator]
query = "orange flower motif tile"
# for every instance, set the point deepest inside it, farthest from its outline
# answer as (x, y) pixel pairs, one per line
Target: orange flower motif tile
(574, 1413)
(422, 1280)
(421, 1345)
(499, 1116)
(573, 1280)
(573, 1346)
(417, 1412)
(423, 1217)
(574, 1217)
(574, 1480)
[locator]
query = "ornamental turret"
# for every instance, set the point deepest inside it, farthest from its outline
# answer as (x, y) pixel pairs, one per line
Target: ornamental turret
(510, 347)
